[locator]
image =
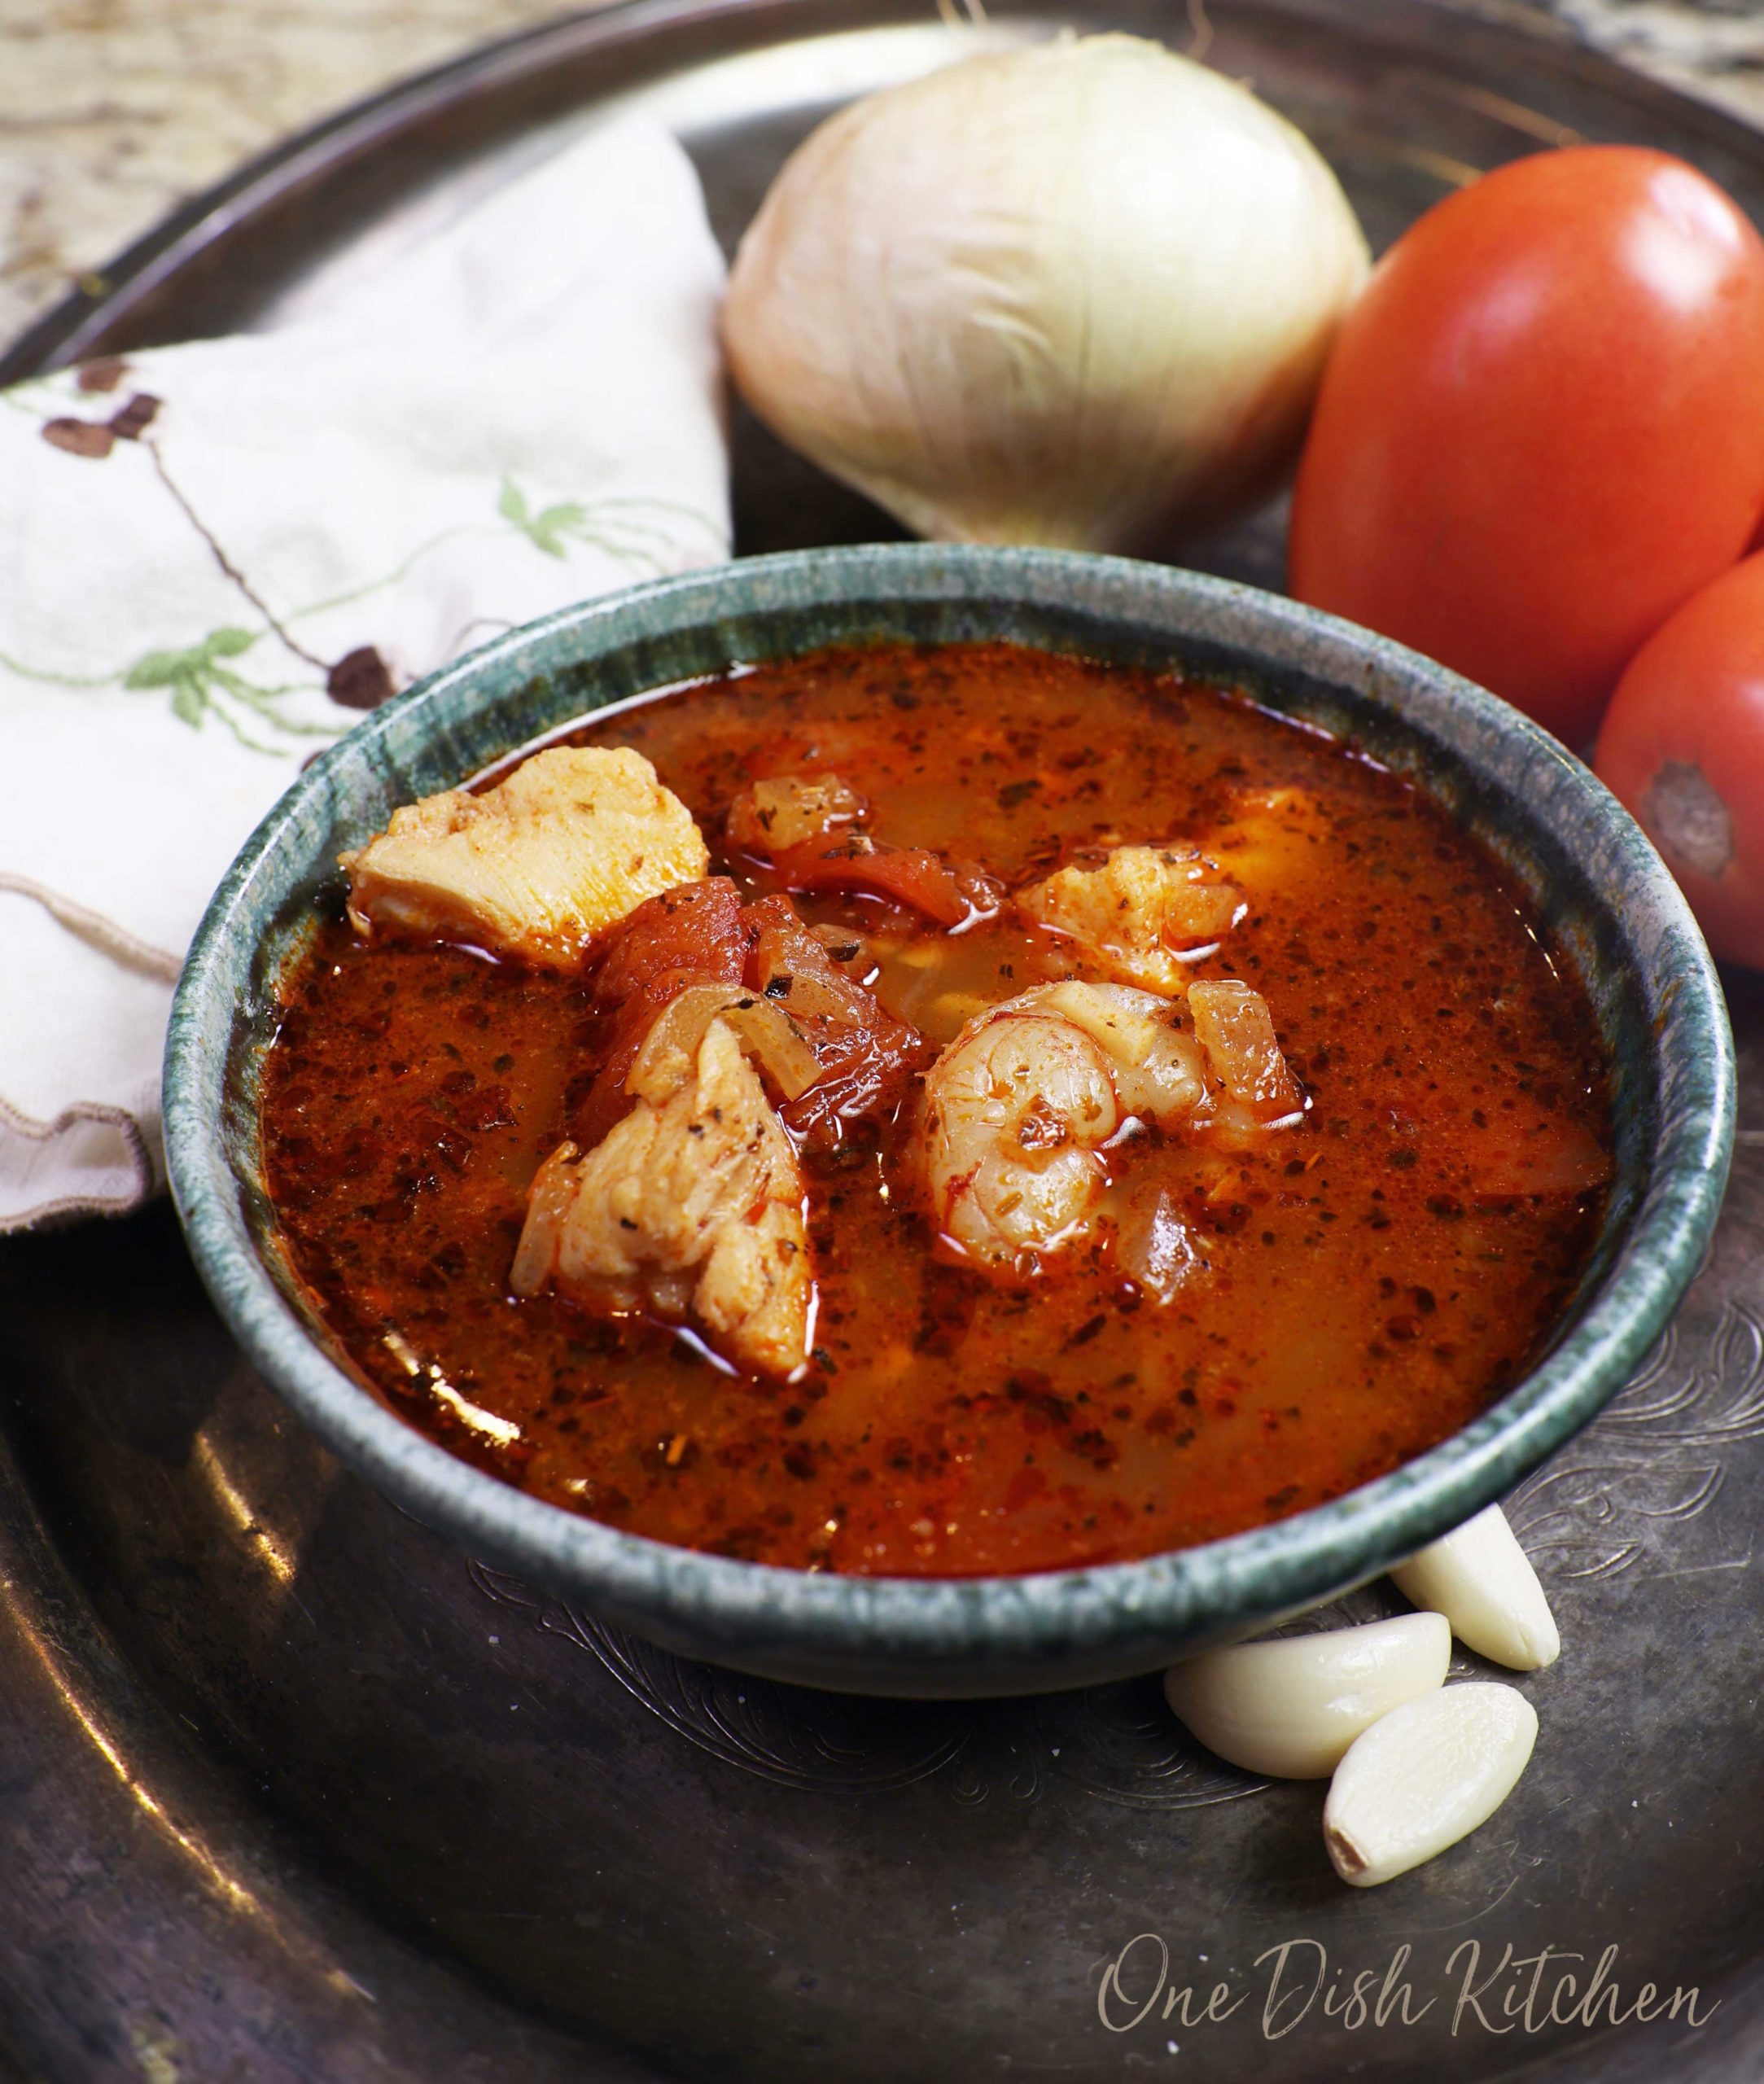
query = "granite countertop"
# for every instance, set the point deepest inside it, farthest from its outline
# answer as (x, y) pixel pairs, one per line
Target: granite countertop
(112, 111)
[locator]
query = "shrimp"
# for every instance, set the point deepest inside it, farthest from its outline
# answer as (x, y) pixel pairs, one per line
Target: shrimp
(1019, 1104)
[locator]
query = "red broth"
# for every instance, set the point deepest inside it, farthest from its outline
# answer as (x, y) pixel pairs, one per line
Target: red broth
(1368, 1280)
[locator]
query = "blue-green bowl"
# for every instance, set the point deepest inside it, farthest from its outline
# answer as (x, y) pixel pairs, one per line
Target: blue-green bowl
(1590, 872)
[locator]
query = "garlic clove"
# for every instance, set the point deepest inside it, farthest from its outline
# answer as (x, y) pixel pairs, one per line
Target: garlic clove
(1424, 1776)
(1482, 1581)
(1290, 1707)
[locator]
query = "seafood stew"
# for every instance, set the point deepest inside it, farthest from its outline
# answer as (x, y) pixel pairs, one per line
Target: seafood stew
(933, 1111)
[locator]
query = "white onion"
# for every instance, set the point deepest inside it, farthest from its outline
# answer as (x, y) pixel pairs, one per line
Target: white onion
(671, 1047)
(1077, 295)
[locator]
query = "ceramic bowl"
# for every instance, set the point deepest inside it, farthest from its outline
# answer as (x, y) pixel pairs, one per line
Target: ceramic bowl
(1592, 874)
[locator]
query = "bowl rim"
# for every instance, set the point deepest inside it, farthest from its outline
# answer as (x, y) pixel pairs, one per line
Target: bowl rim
(1098, 1618)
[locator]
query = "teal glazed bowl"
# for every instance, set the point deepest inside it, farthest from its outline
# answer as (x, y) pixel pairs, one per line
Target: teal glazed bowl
(1592, 876)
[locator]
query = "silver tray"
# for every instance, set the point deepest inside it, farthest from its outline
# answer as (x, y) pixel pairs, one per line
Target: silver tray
(289, 1789)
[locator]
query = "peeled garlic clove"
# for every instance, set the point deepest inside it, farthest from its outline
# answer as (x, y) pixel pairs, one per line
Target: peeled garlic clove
(1291, 1707)
(1074, 295)
(1424, 1776)
(1482, 1581)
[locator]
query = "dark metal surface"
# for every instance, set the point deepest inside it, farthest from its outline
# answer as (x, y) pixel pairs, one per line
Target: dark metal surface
(290, 1789)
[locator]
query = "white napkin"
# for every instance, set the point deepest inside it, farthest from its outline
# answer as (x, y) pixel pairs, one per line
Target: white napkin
(213, 556)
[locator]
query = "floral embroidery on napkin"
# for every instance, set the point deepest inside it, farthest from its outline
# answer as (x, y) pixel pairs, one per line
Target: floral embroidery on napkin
(215, 556)
(94, 439)
(634, 531)
(198, 679)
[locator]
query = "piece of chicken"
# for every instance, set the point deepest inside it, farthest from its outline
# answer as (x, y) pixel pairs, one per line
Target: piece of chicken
(1136, 908)
(691, 1204)
(540, 866)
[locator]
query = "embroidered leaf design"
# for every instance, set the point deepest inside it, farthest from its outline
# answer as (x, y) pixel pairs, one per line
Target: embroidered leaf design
(360, 680)
(635, 531)
(102, 373)
(545, 530)
(156, 669)
(91, 439)
(200, 686)
(133, 420)
(549, 528)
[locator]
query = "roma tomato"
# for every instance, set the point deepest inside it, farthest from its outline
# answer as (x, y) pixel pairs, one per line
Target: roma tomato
(1541, 427)
(1682, 747)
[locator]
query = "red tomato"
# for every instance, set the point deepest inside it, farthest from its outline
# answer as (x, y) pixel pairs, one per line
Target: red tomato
(911, 875)
(1683, 746)
(1543, 426)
